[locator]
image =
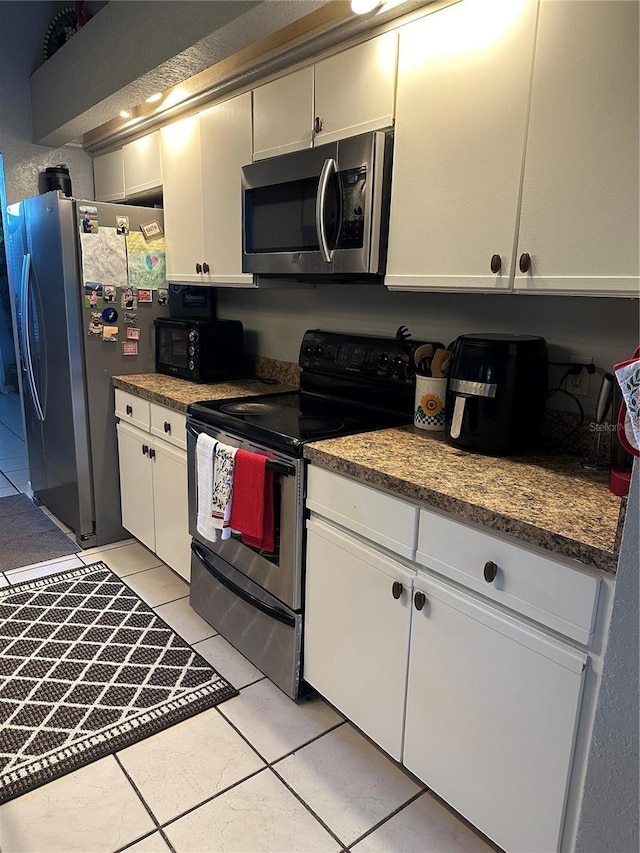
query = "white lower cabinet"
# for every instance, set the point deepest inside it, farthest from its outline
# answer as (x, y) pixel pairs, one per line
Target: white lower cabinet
(477, 699)
(492, 709)
(358, 617)
(153, 494)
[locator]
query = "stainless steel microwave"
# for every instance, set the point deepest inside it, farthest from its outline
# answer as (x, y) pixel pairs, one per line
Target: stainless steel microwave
(322, 211)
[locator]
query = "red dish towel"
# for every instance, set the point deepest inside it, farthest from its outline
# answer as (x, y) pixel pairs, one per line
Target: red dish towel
(252, 508)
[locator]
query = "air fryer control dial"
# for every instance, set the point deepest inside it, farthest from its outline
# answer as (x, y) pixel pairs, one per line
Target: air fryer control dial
(193, 336)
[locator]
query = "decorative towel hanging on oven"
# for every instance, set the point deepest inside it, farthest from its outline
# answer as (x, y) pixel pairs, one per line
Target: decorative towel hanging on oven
(223, 466)
(205, 451)
(252, 513)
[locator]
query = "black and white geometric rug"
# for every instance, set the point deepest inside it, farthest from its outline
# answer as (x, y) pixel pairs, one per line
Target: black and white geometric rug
(86, 669)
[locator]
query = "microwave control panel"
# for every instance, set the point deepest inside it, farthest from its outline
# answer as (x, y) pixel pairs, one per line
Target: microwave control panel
(353, 184)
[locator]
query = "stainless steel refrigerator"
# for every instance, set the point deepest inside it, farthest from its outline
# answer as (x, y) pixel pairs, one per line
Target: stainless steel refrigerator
(65, 369)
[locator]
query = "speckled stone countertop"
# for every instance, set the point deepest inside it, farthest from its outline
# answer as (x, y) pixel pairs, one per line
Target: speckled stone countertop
(548, 501)
(179, 393)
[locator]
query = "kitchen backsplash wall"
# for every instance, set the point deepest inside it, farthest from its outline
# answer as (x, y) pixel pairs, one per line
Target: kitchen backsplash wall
(275, 320)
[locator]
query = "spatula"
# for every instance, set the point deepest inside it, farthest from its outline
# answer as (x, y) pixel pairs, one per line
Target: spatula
(421, 356)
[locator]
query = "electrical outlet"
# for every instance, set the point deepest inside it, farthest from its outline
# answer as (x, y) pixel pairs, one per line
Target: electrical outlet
(578, 383)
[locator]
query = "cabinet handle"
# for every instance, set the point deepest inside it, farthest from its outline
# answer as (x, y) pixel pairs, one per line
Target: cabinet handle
(129, 410)
(525, 262)
(152, 454)
(145, 449)
(490, 571)
(167, 426)
(205, 267)
(198, 268)
(496, 263)
(419, 600)
(396, 589)
(318, 124)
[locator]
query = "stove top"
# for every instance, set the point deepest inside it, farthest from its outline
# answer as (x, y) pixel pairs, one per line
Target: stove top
(287, 421)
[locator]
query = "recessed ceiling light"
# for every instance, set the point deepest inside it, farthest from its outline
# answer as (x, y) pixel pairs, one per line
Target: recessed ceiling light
(153, 98)
(125, 114)
(361, 7)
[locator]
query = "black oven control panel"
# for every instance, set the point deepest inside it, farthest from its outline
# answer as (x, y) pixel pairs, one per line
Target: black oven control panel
(368, 357)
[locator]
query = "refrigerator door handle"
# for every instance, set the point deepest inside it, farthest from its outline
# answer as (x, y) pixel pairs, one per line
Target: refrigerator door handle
(24, 334)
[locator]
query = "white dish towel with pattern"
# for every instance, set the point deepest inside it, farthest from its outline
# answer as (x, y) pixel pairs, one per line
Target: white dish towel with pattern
(205, 454)
(224, 463)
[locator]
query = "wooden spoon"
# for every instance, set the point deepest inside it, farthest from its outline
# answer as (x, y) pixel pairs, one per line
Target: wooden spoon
(423, 351)
(440, 357)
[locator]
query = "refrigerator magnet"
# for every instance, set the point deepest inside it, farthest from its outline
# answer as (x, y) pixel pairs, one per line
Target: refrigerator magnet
(92, 294)
(95, 325)
(129, 297)
(130, 319)
(109, 294)
(151, 229)
(110, 333)
(130, 348)
(88, 219)
(145, 295)
(109, 316)
(133, 334)
(122, 225)
(163, 295)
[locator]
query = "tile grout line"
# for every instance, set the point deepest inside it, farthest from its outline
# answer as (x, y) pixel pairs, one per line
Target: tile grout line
(146, 807)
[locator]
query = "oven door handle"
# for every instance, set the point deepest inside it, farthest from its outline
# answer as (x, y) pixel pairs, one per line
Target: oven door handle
(277, 613)
(272, 465)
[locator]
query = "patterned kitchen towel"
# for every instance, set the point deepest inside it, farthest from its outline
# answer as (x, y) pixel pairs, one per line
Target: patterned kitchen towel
(205, 451)
(223, 465)
(628, 376)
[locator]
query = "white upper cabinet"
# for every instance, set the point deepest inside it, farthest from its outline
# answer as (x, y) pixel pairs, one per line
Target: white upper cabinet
(463, 89)
(355, 89)
(579, 222)
(108, 176)
(350, 93)
(225, 136)
(283, 115)
(142, 165)
(182, 200)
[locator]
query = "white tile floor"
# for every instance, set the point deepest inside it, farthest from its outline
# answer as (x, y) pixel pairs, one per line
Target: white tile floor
(257, 773)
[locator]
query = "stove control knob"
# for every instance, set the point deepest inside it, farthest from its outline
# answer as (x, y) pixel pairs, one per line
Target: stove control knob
(383, 360)
(307, 351)
(317, 351)
(192, 350)
(191, 365)
(193, 336)
(398, 366)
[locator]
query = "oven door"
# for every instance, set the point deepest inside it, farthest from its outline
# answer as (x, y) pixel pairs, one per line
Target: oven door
(279, 572)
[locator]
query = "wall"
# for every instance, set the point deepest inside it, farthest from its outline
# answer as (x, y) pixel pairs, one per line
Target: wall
(22, 29)
(275, 320)
(609, 819)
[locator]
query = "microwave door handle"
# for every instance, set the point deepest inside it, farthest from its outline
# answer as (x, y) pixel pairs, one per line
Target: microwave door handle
(328, 168)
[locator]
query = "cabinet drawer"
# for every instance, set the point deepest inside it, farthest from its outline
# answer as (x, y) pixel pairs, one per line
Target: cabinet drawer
(169, 425)
(132, 409)
(552, 593)
(379, 517)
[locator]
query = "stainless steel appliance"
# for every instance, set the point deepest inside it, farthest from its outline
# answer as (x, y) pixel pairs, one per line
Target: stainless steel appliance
(348, 384)
(323, 211)
(65, 372)
(200, 350)
(496, 393)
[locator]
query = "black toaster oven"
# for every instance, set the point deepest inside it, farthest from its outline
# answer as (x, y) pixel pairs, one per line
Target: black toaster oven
(200, 350)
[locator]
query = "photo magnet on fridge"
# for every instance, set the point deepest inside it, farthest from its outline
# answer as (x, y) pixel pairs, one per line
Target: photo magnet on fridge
(129, 297)
(88, 219)
(133, 334)
(109, 293)
(92, 294)
(145, 295)
(130, 319)
(95, 325)
(122, 225)
(130, 348)
(163, 295)
(110, 333)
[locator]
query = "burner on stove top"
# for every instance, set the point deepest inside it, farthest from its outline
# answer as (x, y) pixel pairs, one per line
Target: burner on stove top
(249, 408)
(310, 426)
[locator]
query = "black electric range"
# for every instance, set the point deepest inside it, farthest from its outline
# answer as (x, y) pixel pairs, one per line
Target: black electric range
(348, 384)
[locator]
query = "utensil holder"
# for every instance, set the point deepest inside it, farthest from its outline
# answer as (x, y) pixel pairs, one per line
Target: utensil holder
(429, 403)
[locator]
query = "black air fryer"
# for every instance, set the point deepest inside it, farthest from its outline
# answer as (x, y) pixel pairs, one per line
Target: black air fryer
(496, 393)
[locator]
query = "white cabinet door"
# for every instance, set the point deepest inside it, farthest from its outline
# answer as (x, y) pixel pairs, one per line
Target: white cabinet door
(108, 176)
(225, 135)
(182, 199)
(461, 109)
(173, 542)
(492, 707)
(579, 221)
(355, 89)
(136, 484)
(142, 165)
(357, 633)
(283, 115)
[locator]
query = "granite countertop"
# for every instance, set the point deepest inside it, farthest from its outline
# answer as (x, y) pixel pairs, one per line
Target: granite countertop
(548, 501)
(179, 393)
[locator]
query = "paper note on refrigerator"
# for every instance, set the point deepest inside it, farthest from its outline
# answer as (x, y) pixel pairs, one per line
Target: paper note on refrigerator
(104, 258)
(146, 261)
